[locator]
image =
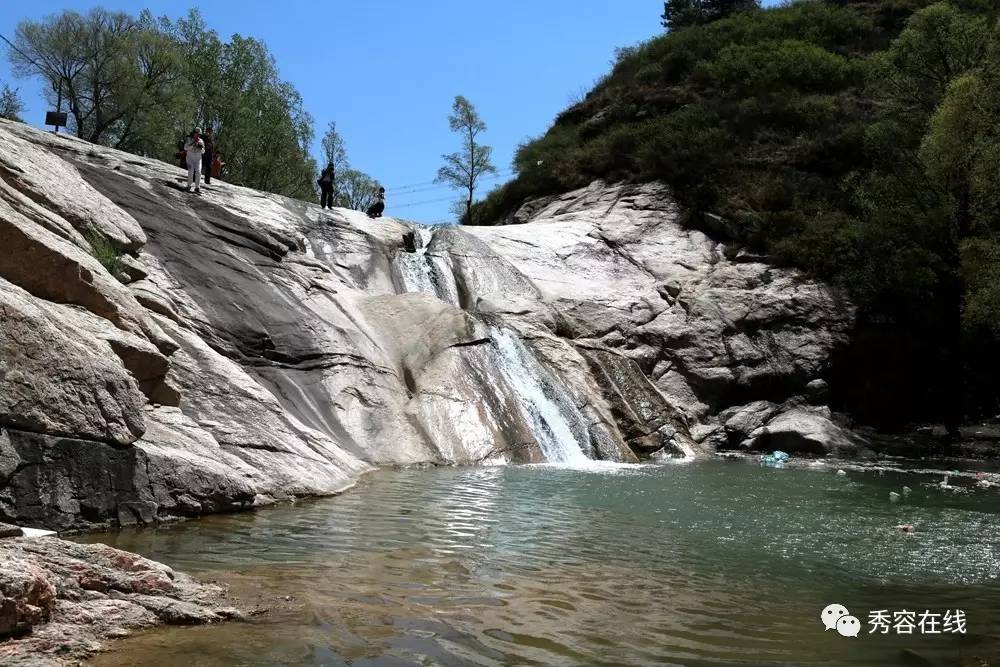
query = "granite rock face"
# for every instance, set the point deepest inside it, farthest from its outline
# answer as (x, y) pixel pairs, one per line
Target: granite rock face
(251, 348)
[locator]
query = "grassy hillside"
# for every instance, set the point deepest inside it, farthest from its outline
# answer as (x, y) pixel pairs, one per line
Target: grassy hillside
(857, 140)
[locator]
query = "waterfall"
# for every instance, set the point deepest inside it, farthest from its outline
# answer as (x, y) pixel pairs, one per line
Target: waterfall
(421, 272)
(533, 388)
(546, 407)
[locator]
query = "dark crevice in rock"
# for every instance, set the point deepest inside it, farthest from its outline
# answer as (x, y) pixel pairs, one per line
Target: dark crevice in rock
(472, 343)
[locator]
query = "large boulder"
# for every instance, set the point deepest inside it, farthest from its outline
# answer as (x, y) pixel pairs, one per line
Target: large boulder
(805, 430)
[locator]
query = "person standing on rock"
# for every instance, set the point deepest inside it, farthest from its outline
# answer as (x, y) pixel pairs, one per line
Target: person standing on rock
(376, 209)
(194, 148)
(206, 159)
(180, 155)
(326, 187)
(217, 166)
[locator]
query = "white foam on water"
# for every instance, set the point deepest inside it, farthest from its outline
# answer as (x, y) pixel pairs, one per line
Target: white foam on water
(595, 466)
(549, 424)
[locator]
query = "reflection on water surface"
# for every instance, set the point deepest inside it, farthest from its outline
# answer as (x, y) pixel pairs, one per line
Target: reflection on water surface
(705, 563)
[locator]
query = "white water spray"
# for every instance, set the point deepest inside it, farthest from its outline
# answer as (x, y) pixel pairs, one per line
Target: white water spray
(425, 273)
(525, 376)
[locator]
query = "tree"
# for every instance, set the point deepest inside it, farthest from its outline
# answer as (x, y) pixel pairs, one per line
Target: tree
(357, 190)
(141, 83)
(109, 67)
(259, 121)
(679, 14)
(334, 153)
(927, 145)
(464, 169)
(11, 105)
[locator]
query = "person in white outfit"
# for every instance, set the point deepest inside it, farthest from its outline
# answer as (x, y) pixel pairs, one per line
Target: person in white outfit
(194, 148)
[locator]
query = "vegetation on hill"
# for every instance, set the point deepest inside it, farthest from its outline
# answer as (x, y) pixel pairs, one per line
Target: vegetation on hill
(856, 139)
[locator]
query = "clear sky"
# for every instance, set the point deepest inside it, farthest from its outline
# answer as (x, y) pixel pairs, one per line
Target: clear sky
(387, 70)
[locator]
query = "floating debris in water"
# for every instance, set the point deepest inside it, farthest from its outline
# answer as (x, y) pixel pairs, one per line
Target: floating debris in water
(841, 473)
(906, 528)
(894, 497)
(907, 490)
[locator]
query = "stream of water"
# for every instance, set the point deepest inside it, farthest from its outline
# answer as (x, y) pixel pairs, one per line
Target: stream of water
(710, 562)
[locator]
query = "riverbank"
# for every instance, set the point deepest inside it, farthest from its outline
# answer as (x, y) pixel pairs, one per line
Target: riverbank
(61, 602)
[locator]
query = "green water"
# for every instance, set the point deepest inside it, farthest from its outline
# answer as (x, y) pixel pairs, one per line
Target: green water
(715, 562)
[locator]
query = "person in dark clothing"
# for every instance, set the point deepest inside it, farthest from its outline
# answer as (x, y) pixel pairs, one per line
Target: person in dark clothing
(207, 156)
(326, 187)
(376, 209)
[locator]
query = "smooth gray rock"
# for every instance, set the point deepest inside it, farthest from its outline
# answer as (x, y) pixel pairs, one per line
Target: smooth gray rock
(59, 374)
(805, 430)
(266, 349)
(620, 271)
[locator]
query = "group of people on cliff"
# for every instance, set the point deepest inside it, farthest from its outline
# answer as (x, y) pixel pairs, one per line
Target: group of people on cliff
(326, 186)
(198, 156)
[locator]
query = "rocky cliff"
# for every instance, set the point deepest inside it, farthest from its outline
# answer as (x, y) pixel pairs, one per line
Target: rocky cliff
(238, 348)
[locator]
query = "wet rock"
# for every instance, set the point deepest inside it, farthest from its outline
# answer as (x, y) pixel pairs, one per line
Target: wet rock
(648, 422)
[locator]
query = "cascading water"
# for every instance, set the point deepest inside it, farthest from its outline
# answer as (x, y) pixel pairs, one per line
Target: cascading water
(528, 380)
(545, 406)
(421, 272)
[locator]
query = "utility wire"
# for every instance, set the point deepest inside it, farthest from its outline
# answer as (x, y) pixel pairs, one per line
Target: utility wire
(26, 56)
(421, 203)
(444, 186)
(433, 185)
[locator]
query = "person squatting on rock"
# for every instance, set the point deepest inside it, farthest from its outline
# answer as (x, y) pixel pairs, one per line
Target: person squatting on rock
(326, 187)
(194, 148)
(206, 159)
(375, 210)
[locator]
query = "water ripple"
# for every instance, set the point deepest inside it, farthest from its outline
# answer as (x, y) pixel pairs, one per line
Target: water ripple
(709, 563)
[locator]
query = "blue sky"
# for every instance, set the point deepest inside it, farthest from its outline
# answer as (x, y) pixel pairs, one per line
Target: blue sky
(387, 70)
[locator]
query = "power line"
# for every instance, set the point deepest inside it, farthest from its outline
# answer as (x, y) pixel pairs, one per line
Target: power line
(441, 187)
(27, 57)
(421, 203)
(433, 185)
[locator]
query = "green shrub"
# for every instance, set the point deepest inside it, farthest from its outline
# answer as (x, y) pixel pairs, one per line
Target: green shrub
(105, 252)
